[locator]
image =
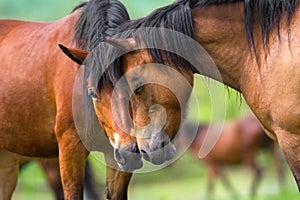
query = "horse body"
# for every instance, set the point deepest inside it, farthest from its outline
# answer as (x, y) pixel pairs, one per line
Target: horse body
(268, 84)
(20, 93)
(235, 144)
(36, 96)
(33, 96)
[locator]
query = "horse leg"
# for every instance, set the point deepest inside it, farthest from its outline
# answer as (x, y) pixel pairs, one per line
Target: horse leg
(90, 183)
(9, 168)
(227, 184)
(72, 158)
(211, 175)
(278, 164)
(290, 145)
(257, 175)
(117, 183)
(51, 169)
(214, 171)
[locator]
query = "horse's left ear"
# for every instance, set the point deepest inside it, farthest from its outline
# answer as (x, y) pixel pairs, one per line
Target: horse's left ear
(128, 44)
(77, 55)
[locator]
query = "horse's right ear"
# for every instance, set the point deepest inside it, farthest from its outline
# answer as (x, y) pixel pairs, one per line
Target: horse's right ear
(128, 44)
(77, 55)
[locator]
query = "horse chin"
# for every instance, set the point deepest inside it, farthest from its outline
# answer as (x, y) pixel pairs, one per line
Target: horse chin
(162, 155)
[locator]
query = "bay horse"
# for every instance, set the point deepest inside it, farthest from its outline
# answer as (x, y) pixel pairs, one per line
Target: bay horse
(51, 106)
(36, 91)
(240, 142)
(254, 44)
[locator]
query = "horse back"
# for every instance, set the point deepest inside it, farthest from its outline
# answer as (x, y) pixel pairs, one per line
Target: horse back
(7, 25)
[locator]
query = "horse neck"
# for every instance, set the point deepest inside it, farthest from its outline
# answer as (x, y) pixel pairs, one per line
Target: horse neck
(220, 30)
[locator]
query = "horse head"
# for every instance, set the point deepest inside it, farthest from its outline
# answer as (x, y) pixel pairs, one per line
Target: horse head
(142, 112)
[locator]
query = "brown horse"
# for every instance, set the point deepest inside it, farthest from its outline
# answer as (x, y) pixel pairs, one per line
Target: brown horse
(37, 97)
(254, 44)
(51, 169)
(36, 115)
(239, 143)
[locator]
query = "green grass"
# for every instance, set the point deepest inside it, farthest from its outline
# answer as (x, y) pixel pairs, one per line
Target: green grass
(184, 179)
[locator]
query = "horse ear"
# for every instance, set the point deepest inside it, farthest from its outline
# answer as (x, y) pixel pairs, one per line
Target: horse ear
(128, 44)
(77, 55)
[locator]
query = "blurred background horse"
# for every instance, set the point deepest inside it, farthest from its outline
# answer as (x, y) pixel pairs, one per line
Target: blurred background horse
(240, 142)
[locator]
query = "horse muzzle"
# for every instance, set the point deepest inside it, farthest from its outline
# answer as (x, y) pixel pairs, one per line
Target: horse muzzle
(128, 158)
(158, 149)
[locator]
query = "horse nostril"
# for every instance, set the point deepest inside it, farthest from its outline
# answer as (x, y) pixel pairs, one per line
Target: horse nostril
(163, 144)
(145, 155)
(143, 152)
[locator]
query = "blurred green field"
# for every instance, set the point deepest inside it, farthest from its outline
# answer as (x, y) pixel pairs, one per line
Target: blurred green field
(186, 178)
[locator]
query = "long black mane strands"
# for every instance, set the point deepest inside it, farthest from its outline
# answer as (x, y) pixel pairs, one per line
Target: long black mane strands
(108, 18)
(96, 21)
(268, 12)
(178, 17)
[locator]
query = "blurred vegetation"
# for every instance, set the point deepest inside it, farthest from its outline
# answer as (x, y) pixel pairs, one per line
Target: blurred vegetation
(186, 178)
(45, 10)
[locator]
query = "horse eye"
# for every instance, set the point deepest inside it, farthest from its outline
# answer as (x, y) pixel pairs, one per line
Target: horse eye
(92, 93)
(138, 89)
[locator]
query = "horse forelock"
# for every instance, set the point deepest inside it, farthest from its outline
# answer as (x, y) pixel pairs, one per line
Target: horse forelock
(97, 19)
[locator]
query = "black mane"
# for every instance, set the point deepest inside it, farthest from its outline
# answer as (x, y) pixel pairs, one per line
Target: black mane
(97, 19)
(178, 17)
(105, 18)
(268, 12)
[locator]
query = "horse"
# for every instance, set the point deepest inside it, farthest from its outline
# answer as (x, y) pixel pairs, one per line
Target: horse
(254, 45)
(66, 107)
(239, 143)
(51, 169)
